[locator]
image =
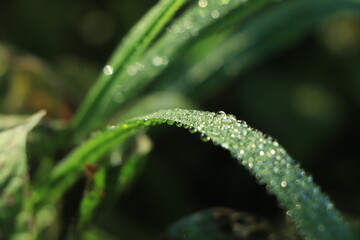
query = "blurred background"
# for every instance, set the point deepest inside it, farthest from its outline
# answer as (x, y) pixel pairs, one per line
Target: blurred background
(306, 95)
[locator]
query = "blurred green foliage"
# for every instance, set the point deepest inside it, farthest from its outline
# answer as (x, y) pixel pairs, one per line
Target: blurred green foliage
(307, 95)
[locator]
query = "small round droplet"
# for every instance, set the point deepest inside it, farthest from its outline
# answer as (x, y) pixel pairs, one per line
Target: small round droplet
(192, 130)
(170, 122)
(242, 152)
(283, 184)
(204, 137)
(158, 61)
(108, 70)
(272, 151)
(261, 153)
(111, 127)
(132, 70)
(178, 124)
(215, 14)
(203, 3)
(220, 113)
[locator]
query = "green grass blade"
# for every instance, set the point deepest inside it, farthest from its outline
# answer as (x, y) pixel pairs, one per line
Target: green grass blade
(136, 72)
(254, 40)
(126, 53)
(309, 208)
(92, 196)
(14, 182)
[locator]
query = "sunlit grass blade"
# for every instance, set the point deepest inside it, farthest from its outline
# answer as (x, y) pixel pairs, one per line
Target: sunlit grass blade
(304, 202)
(133, 46)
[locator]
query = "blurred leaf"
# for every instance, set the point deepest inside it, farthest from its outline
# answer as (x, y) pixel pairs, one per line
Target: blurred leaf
(216, 59)
(13, 174)
(95, 187)
(8, 121)
(154, 102)
(220, 224)
(28, 84)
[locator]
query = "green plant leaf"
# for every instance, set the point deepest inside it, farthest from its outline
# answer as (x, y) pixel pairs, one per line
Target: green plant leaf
(94, 191)
(304, 202)
(8, 121)
(13, 172)
(133, 46)
(281, 26)
(135, 73)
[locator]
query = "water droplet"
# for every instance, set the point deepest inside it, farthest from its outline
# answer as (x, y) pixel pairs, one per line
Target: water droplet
(132, 70)
(192, 130)
(203, 3)
(158, 61)
(220, 113)
(272, 151)
(242, 152)
(170, 122)
(108, 70)
(215, 14)
(178, 124)
(283, 184)
(251, 165)
(261, 153)
(289, 213)
(111, 127)
(204, 137)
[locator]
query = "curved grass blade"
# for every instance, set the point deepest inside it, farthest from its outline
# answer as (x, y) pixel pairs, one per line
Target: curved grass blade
(135, 71)
(133, 46)
(309, 208)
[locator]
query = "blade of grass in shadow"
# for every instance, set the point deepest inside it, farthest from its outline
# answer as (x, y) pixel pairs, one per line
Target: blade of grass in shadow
(136, 72)
(95, 186)
(115, 180)
(296, 192)
(133, 46)
(254, 40)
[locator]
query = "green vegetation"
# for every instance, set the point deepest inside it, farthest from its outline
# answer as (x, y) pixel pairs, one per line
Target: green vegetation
(63, 177)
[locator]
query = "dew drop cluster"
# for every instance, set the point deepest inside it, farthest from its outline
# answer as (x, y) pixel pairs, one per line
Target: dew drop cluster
(268, 161)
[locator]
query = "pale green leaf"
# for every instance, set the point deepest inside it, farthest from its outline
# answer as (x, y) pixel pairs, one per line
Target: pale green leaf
(13, 171)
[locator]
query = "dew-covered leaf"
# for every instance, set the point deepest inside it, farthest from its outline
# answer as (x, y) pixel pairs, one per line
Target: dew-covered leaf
(13, 171)
(265, 158)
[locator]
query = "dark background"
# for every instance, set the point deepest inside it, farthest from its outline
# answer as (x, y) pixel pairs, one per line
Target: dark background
(307, 96)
